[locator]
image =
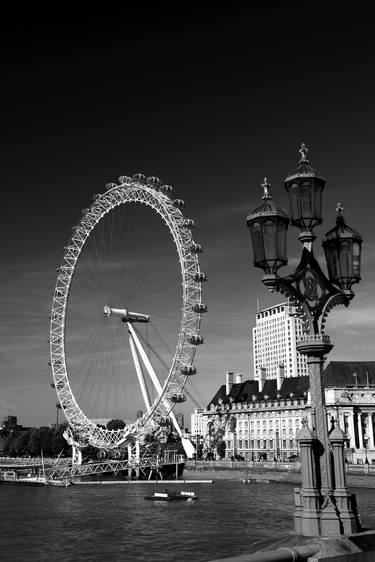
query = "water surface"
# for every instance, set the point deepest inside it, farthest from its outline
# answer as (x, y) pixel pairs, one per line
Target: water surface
(115, 523)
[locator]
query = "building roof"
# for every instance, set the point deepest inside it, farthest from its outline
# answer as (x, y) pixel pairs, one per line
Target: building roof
(244, 392)
(342, 373)
(336, 374)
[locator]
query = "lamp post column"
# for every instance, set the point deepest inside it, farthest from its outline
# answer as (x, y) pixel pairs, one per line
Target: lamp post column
(315, 347)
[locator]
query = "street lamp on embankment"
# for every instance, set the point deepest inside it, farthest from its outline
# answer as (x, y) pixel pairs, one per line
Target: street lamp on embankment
(324, 505)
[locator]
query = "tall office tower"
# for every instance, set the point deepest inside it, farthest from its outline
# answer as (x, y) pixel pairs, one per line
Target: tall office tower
(276, 332)
(198, 422)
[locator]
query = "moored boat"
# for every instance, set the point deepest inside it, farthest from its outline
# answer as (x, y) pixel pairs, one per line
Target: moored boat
(12, 477)
(172, 496)
(63, 483)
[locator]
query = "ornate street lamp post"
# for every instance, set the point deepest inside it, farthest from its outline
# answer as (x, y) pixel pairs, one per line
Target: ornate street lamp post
(323, 506)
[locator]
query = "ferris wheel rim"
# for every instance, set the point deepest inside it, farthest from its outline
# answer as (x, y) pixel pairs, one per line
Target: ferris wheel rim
(128, 191)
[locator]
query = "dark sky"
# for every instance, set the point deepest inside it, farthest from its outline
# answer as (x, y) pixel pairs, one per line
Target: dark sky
(211, 100)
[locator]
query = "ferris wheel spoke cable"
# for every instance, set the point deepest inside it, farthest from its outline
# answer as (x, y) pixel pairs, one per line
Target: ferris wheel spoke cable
(153, 350)
(189, 381)
(95, 369)
(84, 379)
(195, 394)
(137, 277)
(161, 338)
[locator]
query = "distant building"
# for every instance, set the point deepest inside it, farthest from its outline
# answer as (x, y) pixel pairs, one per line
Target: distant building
(260, 419)
(274, 342)
(9, 422)
(197, 422)
(180, 420)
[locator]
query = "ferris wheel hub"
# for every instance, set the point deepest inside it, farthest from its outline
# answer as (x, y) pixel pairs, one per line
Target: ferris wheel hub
(126, 315)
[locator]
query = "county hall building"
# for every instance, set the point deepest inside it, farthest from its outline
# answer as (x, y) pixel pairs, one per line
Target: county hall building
(259, 419)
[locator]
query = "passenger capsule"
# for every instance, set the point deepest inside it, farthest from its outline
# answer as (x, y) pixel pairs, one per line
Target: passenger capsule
(196, 248)
(109, 186)
(179, 203)
(53, 385)
(96, 196)
(200, 308)
(200, 277)
(196, 340)
(167, 189)
(84, 211)
(153, 180)
(178, 398)
(125, 179)
(188, 371)
(140, 178)
(189, 223)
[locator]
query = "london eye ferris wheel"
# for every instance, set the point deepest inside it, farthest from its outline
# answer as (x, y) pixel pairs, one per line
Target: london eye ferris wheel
(126, 313)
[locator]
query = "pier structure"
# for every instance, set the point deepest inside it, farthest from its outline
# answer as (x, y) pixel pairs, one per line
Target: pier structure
(65, 469)
(324, 505)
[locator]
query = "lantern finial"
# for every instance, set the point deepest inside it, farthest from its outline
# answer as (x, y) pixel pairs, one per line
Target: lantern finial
(339, 210)
(303, 152)
(266, 188)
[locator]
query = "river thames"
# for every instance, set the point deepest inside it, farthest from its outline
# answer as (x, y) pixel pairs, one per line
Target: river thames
(115, 523)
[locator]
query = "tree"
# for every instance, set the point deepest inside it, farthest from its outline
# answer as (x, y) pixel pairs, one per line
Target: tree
(9, 445)
(116, 424)
(34, 446)
(20, 445)
(220, 449)
(46, 435)
(58, 442)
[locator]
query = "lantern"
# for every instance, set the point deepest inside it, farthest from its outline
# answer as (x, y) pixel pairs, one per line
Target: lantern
(342, 248)
(305, 187)
(268, 224)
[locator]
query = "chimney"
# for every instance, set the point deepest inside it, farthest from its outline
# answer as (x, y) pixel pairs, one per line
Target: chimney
(229, 381)
(279, 376)
(238, 378)
(260, 376)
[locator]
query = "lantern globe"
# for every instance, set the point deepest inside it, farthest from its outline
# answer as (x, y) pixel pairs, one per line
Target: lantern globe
(268, 224)
(342, 248)
(305, 187)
